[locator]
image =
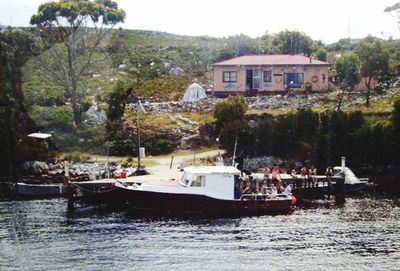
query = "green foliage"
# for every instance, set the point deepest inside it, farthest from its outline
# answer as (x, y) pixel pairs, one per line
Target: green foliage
(164, 88)
(395, 7)
(156, 142)
(116, 100)
(63, 28)
(342, 45)
(15, 123)
(321, 54)
(77, 11)
(52, 117)
(230, 120)
(293, 42)
(294, 134)
(242, 45)
(321, 139)
(396, 113)
(347, 68)
(147, 57)
(76, 156)
(232, 109)
(232, 130)
(374, 58)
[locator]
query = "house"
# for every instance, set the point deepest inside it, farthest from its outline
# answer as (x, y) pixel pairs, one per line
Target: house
(253, 75)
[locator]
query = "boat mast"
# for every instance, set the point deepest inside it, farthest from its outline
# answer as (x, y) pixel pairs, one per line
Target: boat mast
(234, 151)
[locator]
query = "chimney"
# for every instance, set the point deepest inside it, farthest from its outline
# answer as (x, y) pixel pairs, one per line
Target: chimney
(343, 163)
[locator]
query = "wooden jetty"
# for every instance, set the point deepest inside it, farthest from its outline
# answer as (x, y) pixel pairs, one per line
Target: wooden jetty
(306, 188)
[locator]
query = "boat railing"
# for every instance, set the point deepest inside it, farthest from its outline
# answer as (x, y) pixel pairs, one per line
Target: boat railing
(260, 197)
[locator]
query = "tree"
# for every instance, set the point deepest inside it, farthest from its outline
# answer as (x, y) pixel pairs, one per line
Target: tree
(396, 113)
(347, 68)
(15, 123)
(374, 61)
(232, 109)
(70, 31)
(230, 119)
(321, 54)
(242, 45)
(395, 9)
(293, 42)
(117, 100)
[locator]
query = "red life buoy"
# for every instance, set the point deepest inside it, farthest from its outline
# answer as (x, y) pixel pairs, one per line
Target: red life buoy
(314, 79)
(294, 200)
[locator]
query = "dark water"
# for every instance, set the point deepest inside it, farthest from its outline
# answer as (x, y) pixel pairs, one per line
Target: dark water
(364, 234)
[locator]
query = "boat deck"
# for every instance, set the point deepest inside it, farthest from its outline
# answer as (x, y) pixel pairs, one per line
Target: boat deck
(163, 175)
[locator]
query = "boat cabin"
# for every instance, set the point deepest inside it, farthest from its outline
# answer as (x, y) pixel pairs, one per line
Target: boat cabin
(349, 176)
(213, 181)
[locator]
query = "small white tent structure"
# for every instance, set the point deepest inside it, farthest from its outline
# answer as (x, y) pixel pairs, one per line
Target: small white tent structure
(194, 93)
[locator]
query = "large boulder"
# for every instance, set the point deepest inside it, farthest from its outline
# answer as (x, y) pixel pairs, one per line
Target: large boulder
(176, 71)
(194, 93)
(35, 167)
(96, 115)
(39, 167)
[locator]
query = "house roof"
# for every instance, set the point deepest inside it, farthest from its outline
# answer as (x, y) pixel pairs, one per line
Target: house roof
(271, 60)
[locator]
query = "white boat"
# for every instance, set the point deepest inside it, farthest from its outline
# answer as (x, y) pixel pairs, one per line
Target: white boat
(40, 190)
(351, 182)
(204, 191)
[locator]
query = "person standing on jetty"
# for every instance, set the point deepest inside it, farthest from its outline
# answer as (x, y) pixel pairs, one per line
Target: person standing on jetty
(219, 161)
(304, 175)
(276, 175)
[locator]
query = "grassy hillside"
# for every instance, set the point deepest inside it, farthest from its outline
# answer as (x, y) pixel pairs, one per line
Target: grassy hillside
(158, 66)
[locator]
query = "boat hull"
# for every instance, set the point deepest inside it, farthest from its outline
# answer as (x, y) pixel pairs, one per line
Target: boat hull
(40, 190)
(171, 204)
(348, 188)
(99, 193)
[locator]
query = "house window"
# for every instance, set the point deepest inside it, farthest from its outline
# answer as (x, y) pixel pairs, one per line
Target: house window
(267, 76)
(293, 80)
(256, 78)
(199, 181)
(228, 77)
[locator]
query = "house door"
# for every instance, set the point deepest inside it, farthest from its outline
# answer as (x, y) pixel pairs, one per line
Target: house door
(253, 81)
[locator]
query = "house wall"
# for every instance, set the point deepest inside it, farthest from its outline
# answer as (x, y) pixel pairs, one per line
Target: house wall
(313, 75)
(232, 87)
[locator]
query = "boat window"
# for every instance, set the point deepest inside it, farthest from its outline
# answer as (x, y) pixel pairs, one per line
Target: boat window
(186, 178)
(199, 181)
(336, 172)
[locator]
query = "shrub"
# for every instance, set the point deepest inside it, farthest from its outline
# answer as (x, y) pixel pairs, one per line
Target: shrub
(76, 156)
(52, 116)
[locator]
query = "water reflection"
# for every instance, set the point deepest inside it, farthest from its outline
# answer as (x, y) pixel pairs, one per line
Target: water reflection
(38, 235)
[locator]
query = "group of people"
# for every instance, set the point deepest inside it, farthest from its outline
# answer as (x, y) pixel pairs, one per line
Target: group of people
(272, 182)
(308, 177)
(261, 187)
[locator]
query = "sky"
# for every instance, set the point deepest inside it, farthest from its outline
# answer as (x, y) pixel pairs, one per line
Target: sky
(328, 21)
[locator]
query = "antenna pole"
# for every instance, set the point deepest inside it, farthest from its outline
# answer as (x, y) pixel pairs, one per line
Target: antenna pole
(234, 151)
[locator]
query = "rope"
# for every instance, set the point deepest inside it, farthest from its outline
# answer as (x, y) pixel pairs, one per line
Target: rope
(91, 191)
